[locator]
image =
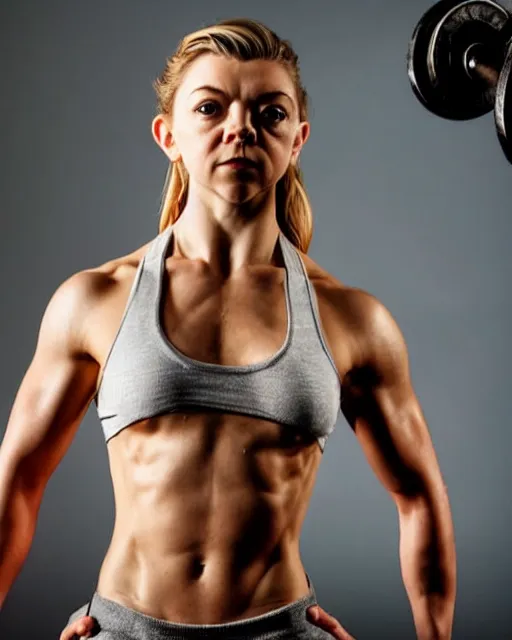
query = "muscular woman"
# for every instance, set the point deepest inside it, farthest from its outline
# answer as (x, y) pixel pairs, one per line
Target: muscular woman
(219, 355)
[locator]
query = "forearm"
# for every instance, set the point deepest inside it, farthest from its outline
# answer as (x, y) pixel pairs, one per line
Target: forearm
(18, 518)
(428, 562)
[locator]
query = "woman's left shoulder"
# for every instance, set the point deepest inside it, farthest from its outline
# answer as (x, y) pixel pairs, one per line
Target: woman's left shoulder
(319, 276)
(327, 287)
(353, 303)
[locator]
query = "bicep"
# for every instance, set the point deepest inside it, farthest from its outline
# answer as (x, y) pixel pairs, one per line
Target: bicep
(392, 432)
(383, 410)
(54, 394)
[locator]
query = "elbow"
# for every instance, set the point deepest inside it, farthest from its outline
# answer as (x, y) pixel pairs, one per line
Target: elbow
(412, 495)
(419, 493)
(20, 485)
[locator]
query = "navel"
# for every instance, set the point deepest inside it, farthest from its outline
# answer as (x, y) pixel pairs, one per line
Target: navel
(198, 567)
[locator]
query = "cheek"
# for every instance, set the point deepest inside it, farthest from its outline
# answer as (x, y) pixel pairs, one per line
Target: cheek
(280, 155)
(189, 138)
(196, 155)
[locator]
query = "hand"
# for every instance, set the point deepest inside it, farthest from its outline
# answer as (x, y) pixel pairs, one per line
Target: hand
(84, 627)
(320, 618)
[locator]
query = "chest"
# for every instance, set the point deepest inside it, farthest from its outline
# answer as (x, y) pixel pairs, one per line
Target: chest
(235, 322)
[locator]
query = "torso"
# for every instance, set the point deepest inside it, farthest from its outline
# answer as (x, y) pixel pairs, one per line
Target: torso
(209, 506)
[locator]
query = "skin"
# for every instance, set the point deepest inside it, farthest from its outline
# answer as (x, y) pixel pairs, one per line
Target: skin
(209, 507)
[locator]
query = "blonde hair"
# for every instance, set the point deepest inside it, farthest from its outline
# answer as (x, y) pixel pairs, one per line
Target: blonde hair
(242, 39)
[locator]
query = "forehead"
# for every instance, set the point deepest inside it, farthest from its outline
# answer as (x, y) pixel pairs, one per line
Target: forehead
(235, 77)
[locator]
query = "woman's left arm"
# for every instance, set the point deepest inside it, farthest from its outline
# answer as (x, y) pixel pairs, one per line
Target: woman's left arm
(382, 408)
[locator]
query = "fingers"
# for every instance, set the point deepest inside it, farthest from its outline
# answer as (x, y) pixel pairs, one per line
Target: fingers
(322, 619)
(81, 628)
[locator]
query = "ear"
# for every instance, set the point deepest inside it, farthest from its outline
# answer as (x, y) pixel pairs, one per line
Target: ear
(164, 138)
(300, 140)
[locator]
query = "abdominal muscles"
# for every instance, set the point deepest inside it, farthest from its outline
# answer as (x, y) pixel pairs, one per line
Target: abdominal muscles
(209, 509)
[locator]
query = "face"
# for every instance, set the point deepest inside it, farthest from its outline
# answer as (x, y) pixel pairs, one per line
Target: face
(255, 96)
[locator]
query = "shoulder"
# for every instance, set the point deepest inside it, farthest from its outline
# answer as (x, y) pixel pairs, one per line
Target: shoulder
(80, 297)
(91, 284)
(355, 305)
(360, 317)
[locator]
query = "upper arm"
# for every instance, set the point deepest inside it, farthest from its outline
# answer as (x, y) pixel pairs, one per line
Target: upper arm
(55, 391)
(381, 406)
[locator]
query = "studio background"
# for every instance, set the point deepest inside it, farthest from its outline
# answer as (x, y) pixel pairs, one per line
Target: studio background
(412, 208)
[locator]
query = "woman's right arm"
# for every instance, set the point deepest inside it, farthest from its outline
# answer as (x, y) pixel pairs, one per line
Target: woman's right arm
(49, 406)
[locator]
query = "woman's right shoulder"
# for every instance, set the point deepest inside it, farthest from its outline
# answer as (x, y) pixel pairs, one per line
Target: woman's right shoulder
(83, 299)
(99, 280)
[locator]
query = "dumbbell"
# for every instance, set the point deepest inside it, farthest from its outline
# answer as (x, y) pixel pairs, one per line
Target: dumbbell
(460, 63)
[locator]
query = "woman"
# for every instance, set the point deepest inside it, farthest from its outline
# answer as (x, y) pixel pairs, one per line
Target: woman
(218, 355)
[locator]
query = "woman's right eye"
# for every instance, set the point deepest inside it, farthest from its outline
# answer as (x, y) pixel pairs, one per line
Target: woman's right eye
(206, 104)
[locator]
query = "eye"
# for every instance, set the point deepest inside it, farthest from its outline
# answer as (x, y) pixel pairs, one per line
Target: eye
(206, 104)
(267, 114)
(275, 110)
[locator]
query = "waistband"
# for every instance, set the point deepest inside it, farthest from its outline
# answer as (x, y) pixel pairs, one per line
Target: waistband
(288, 621)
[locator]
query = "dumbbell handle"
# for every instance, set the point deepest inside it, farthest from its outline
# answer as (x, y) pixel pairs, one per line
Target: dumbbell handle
(475, 59)
(477, 68)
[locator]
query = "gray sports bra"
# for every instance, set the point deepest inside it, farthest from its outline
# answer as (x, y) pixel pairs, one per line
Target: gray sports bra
(145, 375)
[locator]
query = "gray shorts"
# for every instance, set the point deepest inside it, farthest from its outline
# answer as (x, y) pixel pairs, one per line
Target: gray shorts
(117, 622)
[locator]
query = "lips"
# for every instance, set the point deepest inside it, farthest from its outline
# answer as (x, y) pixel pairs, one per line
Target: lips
(243, 162)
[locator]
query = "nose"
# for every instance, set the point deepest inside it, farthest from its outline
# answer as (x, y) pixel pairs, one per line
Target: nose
(240, 129)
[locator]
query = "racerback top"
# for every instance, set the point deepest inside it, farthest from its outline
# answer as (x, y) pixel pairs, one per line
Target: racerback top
(145, 375)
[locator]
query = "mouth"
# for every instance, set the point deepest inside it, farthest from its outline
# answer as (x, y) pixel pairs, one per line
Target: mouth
(241, 163)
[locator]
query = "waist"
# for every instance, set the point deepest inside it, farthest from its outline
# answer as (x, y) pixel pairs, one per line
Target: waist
(202, 588)
(286, 623)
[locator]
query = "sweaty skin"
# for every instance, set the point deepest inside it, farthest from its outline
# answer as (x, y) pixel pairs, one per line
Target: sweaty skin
(209, 506)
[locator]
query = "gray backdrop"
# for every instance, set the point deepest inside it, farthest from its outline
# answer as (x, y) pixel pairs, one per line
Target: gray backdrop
(410, 207)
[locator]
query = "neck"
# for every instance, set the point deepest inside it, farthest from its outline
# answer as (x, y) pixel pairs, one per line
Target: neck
(227, 237)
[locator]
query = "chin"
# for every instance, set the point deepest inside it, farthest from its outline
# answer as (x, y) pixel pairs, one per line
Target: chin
(239, 195)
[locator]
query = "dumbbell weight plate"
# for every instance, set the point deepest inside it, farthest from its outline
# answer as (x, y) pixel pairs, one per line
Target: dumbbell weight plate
(436, 58)
(503, 108)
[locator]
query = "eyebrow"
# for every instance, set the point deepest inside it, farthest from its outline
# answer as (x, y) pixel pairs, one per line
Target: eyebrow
(267, 95)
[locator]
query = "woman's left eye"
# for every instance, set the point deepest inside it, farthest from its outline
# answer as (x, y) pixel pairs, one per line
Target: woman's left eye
(276, 110)
(264, 113)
